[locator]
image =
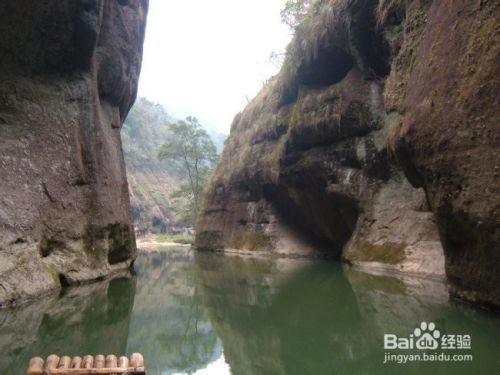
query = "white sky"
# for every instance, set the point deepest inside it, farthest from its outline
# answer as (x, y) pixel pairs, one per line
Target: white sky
(206, 57)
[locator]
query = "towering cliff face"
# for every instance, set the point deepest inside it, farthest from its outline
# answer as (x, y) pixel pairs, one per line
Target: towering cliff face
(449, 139)
(362, 145)
(69, 72)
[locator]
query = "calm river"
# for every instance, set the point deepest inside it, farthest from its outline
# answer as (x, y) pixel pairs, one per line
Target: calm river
(199, 313)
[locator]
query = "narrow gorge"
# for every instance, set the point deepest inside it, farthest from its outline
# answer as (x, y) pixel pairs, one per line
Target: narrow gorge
(377, 143)
(348, 224)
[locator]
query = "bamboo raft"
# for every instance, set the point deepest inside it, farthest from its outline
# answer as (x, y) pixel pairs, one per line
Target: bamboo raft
(100, 364)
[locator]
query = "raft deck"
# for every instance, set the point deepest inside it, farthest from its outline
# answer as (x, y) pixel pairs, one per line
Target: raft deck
(100, 364)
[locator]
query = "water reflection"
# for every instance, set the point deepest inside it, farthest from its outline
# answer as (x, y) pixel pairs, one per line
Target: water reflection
(190, 312)
(279, 318)
(87, 319)
(303, 317)
(169, 325)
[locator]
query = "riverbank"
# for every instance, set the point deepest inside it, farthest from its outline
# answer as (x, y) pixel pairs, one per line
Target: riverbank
(156, 241)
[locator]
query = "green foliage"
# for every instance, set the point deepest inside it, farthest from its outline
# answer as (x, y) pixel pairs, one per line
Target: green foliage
(146, 127)
(294, 12)
(160, 190)
(182, 204)
(191, 149)
(151, 181)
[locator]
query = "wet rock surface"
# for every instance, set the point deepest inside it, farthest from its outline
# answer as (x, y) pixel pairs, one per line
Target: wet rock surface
(346, 149)
(69, 76)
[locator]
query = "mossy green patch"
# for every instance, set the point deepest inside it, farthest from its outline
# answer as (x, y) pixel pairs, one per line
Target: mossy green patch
(295, 114)
(55, 278)
(251, 241)
(389, 252)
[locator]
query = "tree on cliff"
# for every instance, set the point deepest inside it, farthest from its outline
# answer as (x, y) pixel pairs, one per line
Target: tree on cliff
(294, 12)
(191, 149)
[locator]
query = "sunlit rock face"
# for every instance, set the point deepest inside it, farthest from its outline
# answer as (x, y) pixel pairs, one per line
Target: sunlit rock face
(355, 147)
(307, 165)
(69, 76)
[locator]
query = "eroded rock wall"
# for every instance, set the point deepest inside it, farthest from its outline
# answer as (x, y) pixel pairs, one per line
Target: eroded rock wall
(323, 158)
(448, 140)
(69, 72)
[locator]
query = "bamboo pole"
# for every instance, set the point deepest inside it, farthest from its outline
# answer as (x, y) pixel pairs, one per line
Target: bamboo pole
(123, 362)
(99, 361)
(136, 360)
(98, 371)
(66, 365)
(64, 362)
(76, 362)
(88, 361)
(52, 362)
(111, 362)
(35, 366)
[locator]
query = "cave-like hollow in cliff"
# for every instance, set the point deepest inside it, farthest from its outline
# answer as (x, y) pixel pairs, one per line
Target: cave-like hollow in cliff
(322, 217)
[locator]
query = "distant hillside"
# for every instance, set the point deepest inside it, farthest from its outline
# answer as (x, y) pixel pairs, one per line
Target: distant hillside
(151, 181)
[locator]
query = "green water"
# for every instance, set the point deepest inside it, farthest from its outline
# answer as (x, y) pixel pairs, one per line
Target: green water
(210, 314)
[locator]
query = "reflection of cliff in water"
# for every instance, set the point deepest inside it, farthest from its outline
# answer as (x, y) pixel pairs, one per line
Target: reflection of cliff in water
(169, 324)
(400, 303)
(269, 316)
(283, 316)
(86, 319)
(303, 317)
(395, 304)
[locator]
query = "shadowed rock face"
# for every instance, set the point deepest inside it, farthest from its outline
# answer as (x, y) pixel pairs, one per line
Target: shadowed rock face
(362, 147)
(449, 140)
(69, 76)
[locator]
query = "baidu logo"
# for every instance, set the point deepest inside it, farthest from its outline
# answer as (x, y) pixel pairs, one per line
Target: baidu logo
(427, 337)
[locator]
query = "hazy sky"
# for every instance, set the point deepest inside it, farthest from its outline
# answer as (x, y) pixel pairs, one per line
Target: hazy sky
(206, 57)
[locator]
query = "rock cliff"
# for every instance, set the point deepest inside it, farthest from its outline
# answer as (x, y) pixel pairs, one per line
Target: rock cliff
(69, 72)
(376, 143)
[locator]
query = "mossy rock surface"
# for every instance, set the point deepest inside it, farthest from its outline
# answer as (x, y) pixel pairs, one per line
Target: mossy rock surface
(390, 253)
